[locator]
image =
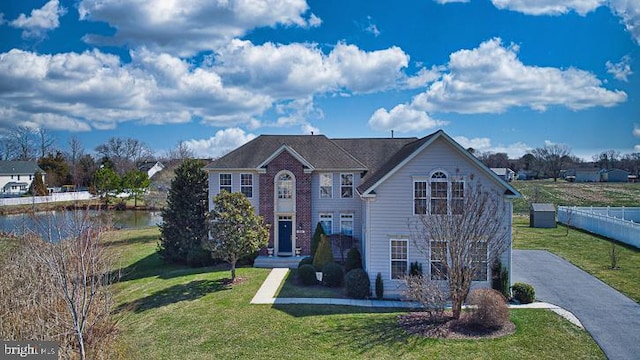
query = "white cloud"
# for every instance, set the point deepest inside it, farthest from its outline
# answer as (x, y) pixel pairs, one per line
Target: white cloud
(423, 77)
(636, 148)
(620, 70)
(629, 12)
(185, 28)
(372, 28)
(451, 1)
(636, 131)
(549, 7)
(491, 79)
(40, 21)
(221, 143)
(403, 118)
(515, 150)
(309, 129)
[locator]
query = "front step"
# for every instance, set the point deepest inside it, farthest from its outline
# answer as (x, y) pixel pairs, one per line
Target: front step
(290, 262)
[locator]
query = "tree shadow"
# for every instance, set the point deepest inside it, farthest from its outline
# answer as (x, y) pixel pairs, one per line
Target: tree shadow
(153, 266)
(302, 310)
(176, 293)
(144, 239)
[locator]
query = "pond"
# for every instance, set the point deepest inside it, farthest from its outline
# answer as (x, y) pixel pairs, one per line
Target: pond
(19, 224)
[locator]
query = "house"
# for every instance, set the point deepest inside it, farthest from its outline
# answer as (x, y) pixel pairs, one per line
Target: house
(367, 188)
(505, 174)
(16, 177)
(527, 174)
(150, 167)
(542, 216)
(614, 175)
(586, 174)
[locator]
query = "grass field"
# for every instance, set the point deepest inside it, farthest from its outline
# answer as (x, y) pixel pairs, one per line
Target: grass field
(588, 252)
(575, 194)
(172, 312)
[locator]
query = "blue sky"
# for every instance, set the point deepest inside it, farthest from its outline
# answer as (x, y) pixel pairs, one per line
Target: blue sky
(497, 75)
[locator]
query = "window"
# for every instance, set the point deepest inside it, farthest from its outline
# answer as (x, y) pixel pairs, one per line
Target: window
(438, 257)
(346, 224)
(346, 185)
(326, 186)
(439, 193)
(285, 186)
(326, 220)
(479, 254)
(419, 197)
(225, 182)
(399, 258)
(457, 197)
(246, 185)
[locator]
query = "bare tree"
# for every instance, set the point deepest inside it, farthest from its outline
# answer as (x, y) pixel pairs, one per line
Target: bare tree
(463, 239)
(45, 141)
(125, 153)
(73, 154)
(607, 159)
(22, 143)
(180, 152)
(552, 158)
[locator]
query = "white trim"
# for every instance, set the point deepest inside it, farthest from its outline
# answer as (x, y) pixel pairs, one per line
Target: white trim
(391, 260)
(348, 215)
(320, 185)
(293, 153)
(330, 214)
(277, 214)
(220, 182)
(353, 180)
(250, 186)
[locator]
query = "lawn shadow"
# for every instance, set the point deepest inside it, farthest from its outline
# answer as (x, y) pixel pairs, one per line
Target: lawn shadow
(174, 294)
(144, 239)
(153, 266)
(364, 334)
(302, 310)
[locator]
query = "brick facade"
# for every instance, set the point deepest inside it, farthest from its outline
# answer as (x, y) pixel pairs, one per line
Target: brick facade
(302, 224)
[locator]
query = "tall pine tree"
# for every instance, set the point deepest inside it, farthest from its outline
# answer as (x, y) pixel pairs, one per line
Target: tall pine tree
(184, 229)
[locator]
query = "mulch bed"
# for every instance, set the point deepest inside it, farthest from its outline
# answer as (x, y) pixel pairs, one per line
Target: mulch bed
(445, 327)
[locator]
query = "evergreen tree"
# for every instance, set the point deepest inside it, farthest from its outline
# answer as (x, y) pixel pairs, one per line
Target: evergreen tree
(236, 231)
(315, 241)
(136, 182)
(38, 188)
(184, 228)
(106, 182)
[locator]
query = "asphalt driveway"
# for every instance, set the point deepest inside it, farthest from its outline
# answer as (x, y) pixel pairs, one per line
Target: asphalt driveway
(611, 318)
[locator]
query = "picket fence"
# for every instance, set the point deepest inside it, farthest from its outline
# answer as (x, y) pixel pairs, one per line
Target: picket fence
(621, 224)
(55, 197)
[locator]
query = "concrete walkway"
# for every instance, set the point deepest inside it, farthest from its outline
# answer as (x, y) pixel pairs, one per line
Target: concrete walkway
(612, 319)
(267, 295)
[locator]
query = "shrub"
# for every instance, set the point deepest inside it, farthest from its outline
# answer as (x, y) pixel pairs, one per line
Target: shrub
(354, 260)
(489, 310)
(307, 275)
(332, 275)
(323, 255)
(432, 295)
(315, 241)
(357, 284)
(500, 279)
(379, 286)
(524, 293)
(305, 261)
(415, 269)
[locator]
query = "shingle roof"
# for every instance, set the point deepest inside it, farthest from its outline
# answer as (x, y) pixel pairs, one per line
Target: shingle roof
(318, 150)
(19, 167)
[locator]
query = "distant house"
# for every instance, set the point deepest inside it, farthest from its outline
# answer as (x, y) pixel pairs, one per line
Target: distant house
(527, 174)
(16, 177)
(589, 174)
(151, 167)
(505, 174)
(615, 175)
(542, 216)
(367, 189)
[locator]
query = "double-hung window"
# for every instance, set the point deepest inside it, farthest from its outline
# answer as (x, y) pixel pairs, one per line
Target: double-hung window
(246, 185)
(346, 224)
(399, 258)
(419, 197)
(479, 254)
(225, 182)
(285, 186)
(438, 259)
(457, 197)
(326, 220)
(326, 185)
(346, 185)
(439, 193)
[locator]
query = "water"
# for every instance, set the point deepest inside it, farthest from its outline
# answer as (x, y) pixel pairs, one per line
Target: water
(20, 224)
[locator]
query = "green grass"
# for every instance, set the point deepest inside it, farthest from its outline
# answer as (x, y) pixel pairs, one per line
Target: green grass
(575, 194)
(290, 288)
(171, 312)
(588, 252)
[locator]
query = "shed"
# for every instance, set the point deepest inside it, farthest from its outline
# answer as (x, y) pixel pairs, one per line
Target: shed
(542, 216)
(615, 175)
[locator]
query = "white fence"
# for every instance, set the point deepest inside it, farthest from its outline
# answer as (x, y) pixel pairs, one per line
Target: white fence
(622, 224)
(55, 197)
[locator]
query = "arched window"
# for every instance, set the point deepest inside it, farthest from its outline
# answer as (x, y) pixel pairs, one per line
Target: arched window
(285, 186)
(439, 193)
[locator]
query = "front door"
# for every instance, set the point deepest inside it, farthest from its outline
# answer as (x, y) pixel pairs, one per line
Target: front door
(284, 237)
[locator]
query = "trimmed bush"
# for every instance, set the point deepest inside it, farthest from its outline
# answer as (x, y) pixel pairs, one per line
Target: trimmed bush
(357, 284)
(332, 275)
(415, 269)
(489, 310)
(306, 261)
(379, 286)
(523, 292)
(315, 241)
(307, 275)
(500, 279)
(353, 261)
(323, 255)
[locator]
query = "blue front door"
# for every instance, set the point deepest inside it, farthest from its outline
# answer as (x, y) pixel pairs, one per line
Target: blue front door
(284, 236)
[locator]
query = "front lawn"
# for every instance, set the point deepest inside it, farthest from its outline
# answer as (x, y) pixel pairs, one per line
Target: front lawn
(172, 312)
(588, 252)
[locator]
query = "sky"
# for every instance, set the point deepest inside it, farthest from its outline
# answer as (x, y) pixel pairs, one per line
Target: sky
(496, 75)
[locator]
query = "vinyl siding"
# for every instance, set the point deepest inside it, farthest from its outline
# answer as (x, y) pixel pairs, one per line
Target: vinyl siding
(214, 188)
(392, 208)
(336, 205)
